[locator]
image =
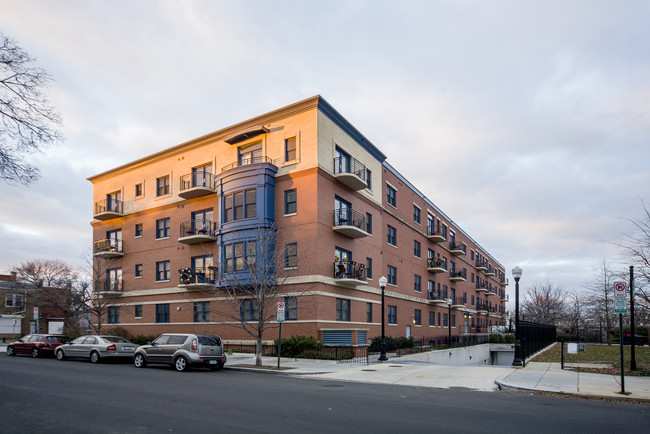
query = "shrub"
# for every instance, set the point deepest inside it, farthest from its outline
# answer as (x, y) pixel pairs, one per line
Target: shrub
(297, 345)
(509, 339)
(392, 344)
(142, 339)
(496, 338)
(116, 331)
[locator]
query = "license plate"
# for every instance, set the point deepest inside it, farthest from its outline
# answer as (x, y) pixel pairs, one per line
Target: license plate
(127, 348)
(212, 362)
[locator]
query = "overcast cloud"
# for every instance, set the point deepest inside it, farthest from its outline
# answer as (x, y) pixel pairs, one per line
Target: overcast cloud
(528, 123)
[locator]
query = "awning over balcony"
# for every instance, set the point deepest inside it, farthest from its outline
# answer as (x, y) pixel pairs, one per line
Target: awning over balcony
(246, 134)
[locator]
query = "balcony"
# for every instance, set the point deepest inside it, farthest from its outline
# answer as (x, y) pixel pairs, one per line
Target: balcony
(457, 249)
(108, 248)
(197, 278)
(490, 291)
(489, 271)
(504, 282)
(247, 162)
(108, 209)
(480, 265)
(436, 237)
(482, 287)
(108, 288)
(350, 223)
(459, 303)
(350, 273)
(197, 231)
(505, 298)
(437, 299)
(197, 184)
(436, 265)
(457, 276)
(482, 308)
(350, 172)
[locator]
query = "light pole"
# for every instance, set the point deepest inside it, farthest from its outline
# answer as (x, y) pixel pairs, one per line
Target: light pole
(516, 273)
(382, 284)
(449, 303)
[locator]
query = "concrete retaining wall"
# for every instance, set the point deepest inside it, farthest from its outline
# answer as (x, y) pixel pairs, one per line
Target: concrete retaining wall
(485, 354)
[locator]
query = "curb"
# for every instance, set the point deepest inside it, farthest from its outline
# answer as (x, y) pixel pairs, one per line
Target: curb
(629, 400)
(270, 371)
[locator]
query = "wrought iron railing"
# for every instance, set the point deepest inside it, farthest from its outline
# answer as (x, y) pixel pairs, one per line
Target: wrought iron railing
(107, 245)
(349, 217)
(456, 273)
(198, 227)
(349, 270)
(197, 275)
(247, 162)
(112, 205)
(350, 165)
(458, 246)
(197, 179)
(436, 263)
(110, 285)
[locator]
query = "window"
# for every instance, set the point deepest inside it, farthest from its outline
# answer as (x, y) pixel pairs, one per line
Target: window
(432, 319)
(248, 310)
(162, 228)
(417, 317)
(431, 224)
(14, 300)
(392, 275)
(453, 320)
(290, 202)
(444, 230)
(202, 311)
(138, 230)
(162, 271)
(369, 179)
(368, 312)
(138, 190)
(416, 214)
(392, 314)
(342, 309)
(113, 315)
(417, 283)
(162, 312)
(291, 255)
(342, 212)
(290, 308)
(240, 205)
(368, 222)
(138, 311)
(438, 319)
(392, 235)
(138, 270)
(444, 320)
(391, 196)
(369, 268)
(114, 280)
(417, 249)
(234, 255)
(290, 149)
(162, 185)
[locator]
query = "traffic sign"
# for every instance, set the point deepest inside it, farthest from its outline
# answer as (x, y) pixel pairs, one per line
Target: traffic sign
(280, 317)
(620, 305)
(620, 290)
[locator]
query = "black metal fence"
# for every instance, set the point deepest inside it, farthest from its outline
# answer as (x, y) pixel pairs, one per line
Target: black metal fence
(534, 337)
(339, 353)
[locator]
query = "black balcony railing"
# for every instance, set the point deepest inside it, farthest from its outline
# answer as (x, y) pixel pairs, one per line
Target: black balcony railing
(112, 205)
(247, 162)
(458, 246)
(197, 179)
(436, 263)
(349, 217)
(349, 270)
(350, 165)
(434, 295)
(456, 273)
(198, 227)
(110, 285)
(481, 263)
(197, 275)
(460, 301)
(107, 245)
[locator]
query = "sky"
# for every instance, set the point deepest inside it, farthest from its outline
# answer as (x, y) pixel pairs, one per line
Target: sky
(528, 123)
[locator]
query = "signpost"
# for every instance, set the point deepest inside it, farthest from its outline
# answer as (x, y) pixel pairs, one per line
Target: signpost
(280, 319)
(620, 307)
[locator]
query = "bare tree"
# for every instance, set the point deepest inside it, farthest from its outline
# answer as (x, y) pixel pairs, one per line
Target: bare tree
(59, 288)
(94, 285)
(254, 284)
(575, 312)
(544, 303)
(601, 304)
(636, 247)
(29, 123)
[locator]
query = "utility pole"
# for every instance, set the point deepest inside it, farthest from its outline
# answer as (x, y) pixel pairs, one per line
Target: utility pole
(633, 356)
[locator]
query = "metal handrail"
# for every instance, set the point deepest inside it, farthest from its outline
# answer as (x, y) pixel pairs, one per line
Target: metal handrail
(247, 162)
(102, 206)
(355, 167)
(103, 285)
(197, 179)
(349, 270)
(197, 275)
(198, 227)
(458, 274)
(349, 217)
(436, 263)
(456, 246)
(107, 245)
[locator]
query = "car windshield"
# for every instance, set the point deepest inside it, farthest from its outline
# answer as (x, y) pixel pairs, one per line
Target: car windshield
(209, 340)
(115, 340)
(60, 339)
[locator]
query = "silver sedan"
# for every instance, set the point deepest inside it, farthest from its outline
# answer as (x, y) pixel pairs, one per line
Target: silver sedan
(96, 348)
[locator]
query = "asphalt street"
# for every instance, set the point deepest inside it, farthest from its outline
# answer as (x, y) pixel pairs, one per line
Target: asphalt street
(46, 395)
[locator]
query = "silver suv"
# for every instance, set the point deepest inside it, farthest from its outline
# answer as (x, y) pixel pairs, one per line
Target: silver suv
(182, 350)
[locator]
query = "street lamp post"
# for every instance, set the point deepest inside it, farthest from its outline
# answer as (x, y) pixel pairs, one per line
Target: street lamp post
(382, 283)
(449, 303)
(516, 273)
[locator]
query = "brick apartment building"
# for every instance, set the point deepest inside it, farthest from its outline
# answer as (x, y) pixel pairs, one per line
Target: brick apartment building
(345, 216)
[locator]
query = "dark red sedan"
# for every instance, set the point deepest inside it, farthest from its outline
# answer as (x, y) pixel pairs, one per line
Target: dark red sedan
(37, 345)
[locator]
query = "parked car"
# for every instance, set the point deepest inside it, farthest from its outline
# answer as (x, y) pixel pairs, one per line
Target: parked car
(36, 344)
(182, 350)
(96, 348)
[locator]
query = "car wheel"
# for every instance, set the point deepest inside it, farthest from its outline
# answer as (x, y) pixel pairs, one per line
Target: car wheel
(10, 351)
(35, 352)
(139, 361)
(94, 357)
(181, 364)
(60, 355)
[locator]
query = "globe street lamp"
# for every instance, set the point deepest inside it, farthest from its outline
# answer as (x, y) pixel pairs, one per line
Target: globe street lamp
(449, 303)
(516, 273)
(382, 283)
